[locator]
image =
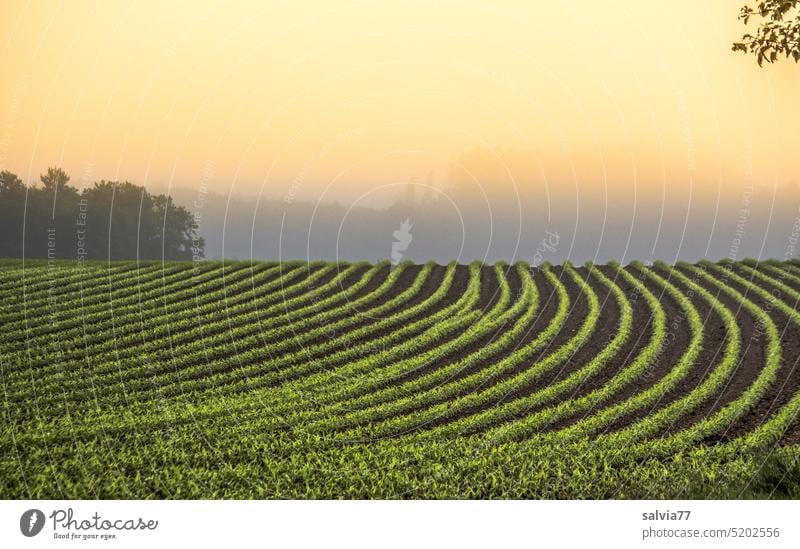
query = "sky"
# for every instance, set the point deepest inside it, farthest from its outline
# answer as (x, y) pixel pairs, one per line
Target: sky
(341, 101)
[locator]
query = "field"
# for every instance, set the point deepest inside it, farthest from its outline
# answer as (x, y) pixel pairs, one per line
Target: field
(356, 380)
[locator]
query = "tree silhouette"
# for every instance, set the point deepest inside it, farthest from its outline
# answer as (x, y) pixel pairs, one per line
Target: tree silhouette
(110, 220)
(12, 209)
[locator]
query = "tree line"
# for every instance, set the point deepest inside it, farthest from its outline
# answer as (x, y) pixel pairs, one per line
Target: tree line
(109, 220)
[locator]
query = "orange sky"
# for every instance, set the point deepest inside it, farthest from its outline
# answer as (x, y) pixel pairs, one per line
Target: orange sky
(334, 100)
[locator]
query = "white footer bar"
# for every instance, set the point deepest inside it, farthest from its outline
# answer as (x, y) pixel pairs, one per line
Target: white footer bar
(371, 524)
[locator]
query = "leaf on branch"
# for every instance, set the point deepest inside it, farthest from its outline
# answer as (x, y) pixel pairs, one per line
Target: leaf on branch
(778, 32)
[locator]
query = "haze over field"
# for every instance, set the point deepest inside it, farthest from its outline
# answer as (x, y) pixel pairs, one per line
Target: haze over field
(631, 129)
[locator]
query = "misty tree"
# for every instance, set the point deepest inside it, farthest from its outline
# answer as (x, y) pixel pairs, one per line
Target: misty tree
(55, 179)
(778, 32)
(124, 221)
(109, 220)
(53, 207)
(12, 209)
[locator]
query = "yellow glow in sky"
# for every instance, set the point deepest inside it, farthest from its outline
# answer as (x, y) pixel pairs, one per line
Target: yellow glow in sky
(331, 99)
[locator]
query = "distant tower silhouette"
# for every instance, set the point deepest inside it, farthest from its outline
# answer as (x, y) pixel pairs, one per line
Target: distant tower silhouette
(411, 192)
(428, 195)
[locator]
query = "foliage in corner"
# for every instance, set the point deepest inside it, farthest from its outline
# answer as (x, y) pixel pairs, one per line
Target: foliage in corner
(778, 32)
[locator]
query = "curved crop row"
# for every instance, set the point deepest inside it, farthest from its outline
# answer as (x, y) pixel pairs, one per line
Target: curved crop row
(152, 352)
(123, 327)
(96, 305)
(606, 416)
(657, 422)
(304, 380)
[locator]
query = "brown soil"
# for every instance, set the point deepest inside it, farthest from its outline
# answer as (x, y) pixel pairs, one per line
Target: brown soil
(788, 377)
(679, 330)
(747, 369)
(548, 307)
(456, 290)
